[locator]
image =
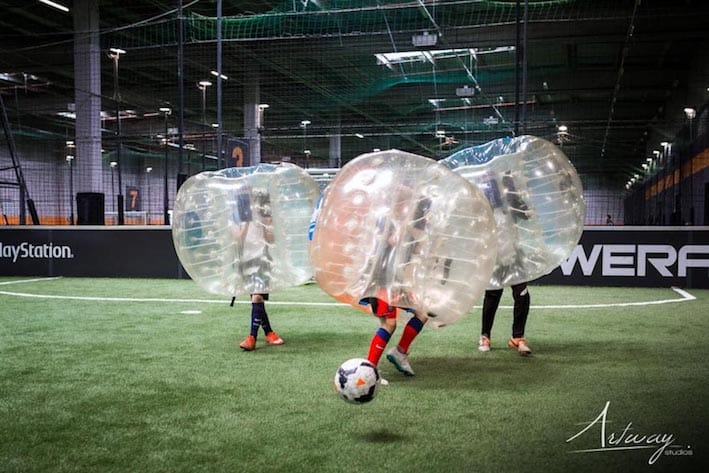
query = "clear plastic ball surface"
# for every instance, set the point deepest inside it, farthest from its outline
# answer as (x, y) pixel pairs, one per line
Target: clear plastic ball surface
(407, 230)
(245, 230)
(537, 201)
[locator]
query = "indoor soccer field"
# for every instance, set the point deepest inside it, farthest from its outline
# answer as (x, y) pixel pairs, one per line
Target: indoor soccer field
(144, 375)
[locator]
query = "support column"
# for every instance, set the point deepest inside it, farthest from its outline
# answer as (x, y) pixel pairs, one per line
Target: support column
(252, 98)
(87, 96)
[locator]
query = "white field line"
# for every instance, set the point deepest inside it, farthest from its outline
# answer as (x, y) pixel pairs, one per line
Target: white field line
(685, 297)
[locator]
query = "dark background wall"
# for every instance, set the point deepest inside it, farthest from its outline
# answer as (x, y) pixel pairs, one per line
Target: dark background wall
(605, 256)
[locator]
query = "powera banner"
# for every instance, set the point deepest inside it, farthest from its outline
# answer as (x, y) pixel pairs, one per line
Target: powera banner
(605, 256)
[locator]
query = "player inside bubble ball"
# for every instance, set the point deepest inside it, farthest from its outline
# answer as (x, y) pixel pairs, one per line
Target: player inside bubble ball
(254, 264)
(509, 255)
(392, 270)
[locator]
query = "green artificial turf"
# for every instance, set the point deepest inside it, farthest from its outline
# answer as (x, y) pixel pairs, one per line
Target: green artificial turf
(125, 381)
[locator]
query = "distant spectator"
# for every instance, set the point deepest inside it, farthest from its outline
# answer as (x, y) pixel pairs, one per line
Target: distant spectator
(609, 220)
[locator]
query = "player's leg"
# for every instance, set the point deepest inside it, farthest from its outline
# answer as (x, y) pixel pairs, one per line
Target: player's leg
(490, 304)
(272, 338)
(387, 326)
(522, 301)
(399, 355)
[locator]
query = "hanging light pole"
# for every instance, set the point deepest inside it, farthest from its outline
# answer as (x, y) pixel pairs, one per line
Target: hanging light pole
(116, 55)
(691, 113)
(113, 165)
(304, 125)
(202, 85)
(148, 170)
(165, 198)
(70, 161)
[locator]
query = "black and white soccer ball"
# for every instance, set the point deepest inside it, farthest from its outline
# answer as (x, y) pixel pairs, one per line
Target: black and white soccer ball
(357, 381)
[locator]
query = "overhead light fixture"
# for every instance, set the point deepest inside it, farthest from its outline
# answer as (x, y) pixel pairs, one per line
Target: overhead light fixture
(465, 91)
(406, 57)
(424, 39)
(215, 125)
(204, 83)
(113, 164)
(216, 74)
(118, 51)
(263, 106)
(56, 5)
(165, 110)
(305, 123)
(359, 135)
(148, 169)
(563, 129)
(664, 144)
(69, 157)
(690, 112)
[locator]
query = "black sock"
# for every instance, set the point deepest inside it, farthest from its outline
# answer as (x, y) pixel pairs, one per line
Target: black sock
(258, 312)
(490, 304)
(265, 323)
(521, 309)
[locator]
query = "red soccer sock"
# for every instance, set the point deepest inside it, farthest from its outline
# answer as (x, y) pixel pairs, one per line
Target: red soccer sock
(412, 329)
(377, 345)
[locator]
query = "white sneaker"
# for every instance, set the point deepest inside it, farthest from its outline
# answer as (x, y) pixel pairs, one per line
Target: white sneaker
(484, 344)
(401, 361)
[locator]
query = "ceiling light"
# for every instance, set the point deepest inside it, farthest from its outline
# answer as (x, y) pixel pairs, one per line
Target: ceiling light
(305, 123)
(118, 51)
(148, 169)
(204, 83)
(113, 164)
(263, 106)
(69, 157)
(359, 135)
(424, 39)
(165, 110)
(404, 57)
(465, 91)
(56, 5)
(563, 128)
(690, 112)
(216, 74)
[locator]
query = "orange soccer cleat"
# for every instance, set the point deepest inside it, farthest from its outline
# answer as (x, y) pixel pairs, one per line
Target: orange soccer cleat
(273, 339)
(248, 344)
(519, 344)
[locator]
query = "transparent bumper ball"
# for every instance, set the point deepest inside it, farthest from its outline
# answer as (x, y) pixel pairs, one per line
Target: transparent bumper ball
(407, 230)
(537, 201)
(245, 230)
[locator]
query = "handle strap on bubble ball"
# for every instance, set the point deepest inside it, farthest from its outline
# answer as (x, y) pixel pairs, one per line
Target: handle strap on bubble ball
(232, 301)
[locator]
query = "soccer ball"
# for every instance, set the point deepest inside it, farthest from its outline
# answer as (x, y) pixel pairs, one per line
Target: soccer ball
(356, 381)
